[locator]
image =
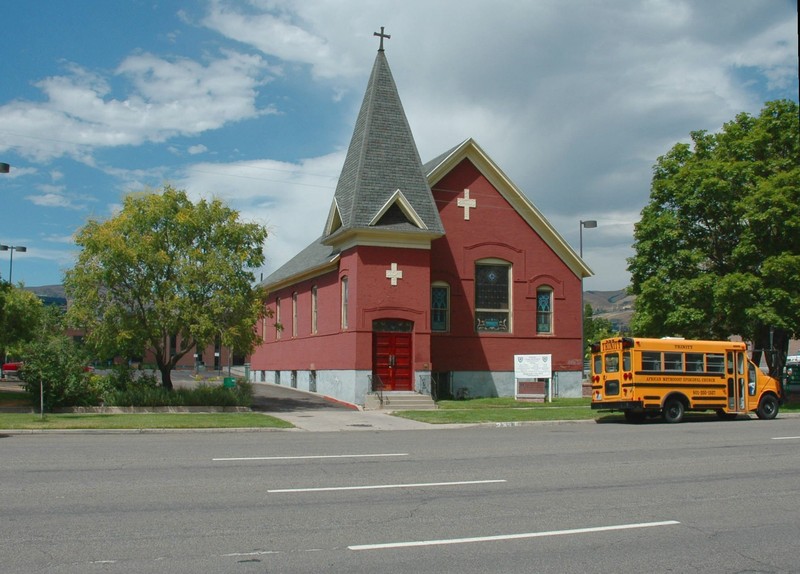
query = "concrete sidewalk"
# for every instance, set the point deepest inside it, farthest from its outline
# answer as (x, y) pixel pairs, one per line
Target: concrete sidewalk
(314, 412)
(335, 420)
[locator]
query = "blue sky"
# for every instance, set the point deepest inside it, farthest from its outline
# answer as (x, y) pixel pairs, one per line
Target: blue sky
(254, 102)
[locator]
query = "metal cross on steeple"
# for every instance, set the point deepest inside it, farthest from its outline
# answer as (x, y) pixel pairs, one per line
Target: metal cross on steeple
(381, 35)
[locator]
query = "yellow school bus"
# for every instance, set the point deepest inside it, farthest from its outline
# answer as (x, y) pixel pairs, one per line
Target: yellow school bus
(668, 377)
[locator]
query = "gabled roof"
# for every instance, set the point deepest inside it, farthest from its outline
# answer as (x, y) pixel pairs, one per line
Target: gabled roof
(437, 168)
(312, 261)
(381, 161)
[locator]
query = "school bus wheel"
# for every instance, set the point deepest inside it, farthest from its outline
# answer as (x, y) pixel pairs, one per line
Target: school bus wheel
(673, 410)
(767, 407)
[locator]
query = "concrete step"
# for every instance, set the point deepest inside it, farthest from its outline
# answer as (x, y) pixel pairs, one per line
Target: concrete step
(396, 401)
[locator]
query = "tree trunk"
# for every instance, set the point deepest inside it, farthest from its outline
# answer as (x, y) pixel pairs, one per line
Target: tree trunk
(166, 376)
(774, 343)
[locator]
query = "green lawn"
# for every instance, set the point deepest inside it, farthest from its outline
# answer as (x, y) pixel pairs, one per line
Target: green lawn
(27, 421)
(502, 410)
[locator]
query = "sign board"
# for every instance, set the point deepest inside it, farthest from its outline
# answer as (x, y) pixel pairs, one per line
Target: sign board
(533, 366)
(529, 372)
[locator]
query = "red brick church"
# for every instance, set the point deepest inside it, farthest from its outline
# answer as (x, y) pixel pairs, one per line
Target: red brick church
(424, 276)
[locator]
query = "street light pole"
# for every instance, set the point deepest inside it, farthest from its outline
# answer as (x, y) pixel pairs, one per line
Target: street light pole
(12, 249)
(588, 224)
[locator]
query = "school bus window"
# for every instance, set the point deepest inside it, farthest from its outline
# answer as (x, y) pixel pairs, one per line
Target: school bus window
(694, 362)
(673, 361)
(715, 363)
(598, 364)
(612, 363)
(651, 361)
(751, 379)
(740, 364)
(626, 361)
(730, 363)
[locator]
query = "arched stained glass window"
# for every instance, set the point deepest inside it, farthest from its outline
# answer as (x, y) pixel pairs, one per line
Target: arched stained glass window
(440, 307)
(492, 296)
(544, 310)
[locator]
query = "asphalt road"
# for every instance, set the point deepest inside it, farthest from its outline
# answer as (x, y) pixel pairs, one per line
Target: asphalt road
(713, 496)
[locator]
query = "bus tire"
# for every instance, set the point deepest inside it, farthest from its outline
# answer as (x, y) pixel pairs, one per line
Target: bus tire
(673, 410)
(767, 407)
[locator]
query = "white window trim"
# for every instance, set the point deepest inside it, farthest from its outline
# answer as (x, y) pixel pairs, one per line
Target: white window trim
(345, 294)
(294, 314)
(314, 303)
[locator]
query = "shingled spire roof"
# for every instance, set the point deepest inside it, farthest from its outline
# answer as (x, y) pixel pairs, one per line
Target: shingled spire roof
(382, 187)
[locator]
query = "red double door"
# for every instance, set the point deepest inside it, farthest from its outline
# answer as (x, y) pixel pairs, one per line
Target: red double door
(391, 360)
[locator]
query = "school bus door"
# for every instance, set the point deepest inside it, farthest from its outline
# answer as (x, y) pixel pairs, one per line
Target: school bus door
(737, 380)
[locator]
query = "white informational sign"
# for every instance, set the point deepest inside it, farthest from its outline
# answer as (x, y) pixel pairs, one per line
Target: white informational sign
(529, 371)
(533, 366)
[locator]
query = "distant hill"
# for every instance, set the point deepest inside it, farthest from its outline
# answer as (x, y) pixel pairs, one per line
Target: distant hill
(616, 306)
(50, 294)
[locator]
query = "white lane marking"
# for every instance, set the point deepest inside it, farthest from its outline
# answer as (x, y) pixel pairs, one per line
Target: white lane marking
(785, 437)
(380, 486)
(258, 553)
(391, 545)
(310, 456)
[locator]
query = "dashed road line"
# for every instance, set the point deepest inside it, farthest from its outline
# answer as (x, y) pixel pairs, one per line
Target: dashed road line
(381, 486)
(310, 456)
(502, 537)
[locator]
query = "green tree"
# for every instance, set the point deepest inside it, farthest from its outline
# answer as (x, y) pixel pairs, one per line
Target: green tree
(718, 245)
(164, 267)
(20, 315)
(595, 329)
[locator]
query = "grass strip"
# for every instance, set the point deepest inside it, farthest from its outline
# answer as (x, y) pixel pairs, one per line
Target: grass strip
(510, 403)
(498, 415)
(27, 421)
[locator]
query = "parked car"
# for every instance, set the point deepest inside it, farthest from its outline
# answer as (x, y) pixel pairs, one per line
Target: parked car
(11, 368)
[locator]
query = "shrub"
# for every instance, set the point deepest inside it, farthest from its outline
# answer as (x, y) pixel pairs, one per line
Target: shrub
(203, 395)
(124, 377)
(60, 367)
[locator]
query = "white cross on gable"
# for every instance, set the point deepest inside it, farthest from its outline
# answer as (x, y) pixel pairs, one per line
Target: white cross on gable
(394, 274)
(466, 203)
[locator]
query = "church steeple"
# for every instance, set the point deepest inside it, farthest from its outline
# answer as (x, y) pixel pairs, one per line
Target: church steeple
(382, 186)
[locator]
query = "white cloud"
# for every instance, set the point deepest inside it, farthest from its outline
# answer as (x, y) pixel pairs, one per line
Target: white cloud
(166, 98)
(291, 199)
(53, 200)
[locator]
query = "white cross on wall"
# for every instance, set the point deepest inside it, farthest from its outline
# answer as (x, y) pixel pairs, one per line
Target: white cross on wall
(394, 274)
(466, 203)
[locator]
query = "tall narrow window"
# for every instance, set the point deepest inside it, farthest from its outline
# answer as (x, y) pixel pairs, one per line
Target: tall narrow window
(492, 296)
(440, 307)
(314, 310)
(345, 298)
(294, 314)
(544, 310)
(278, 326)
